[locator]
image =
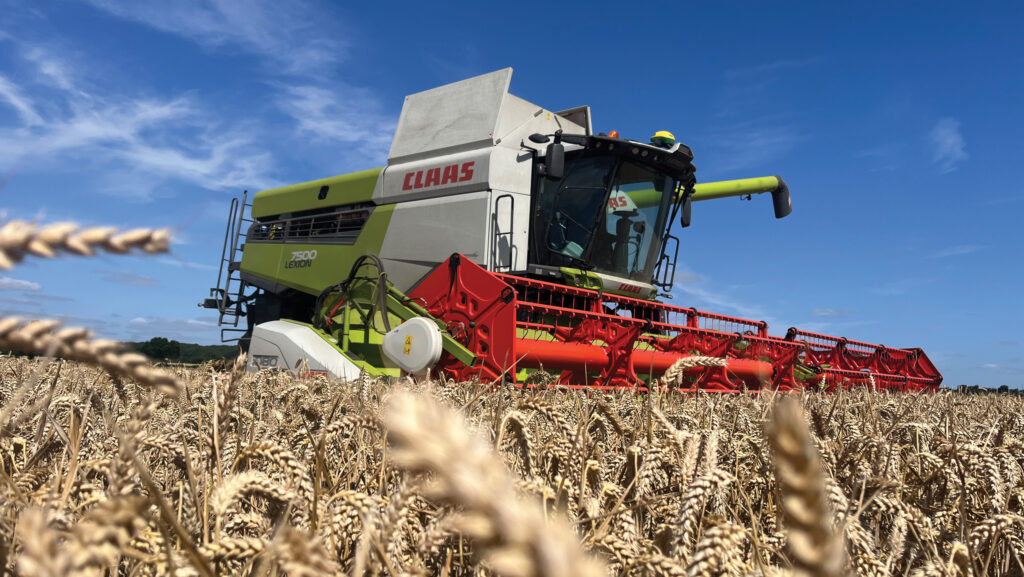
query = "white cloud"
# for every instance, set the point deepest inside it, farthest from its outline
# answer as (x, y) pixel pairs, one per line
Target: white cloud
(288, 33)
(957, 250)
(990, 366)
(139, 321)
(16, 284)
(947, 143)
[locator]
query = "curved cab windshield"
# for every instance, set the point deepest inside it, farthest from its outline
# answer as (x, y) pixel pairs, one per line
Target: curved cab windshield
(606, 214)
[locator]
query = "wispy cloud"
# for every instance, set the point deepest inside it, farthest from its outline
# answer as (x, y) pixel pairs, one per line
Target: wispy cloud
(957, 250)
(182, 263)
(182, 329)
(900, 287)
(288, 33)
(947, 144)
(883, 157)
(834, 327)
(999, 200)
(830, 312)
(340, 114)
(751, 133)
(687, 277)
(141, 142)
(12, 95)
(16, 284)
(128, 278)
(750, 144)
(186, 322)
(33, 299)
(698, 288)
(53, 70)
(770, 68)
(300, 45)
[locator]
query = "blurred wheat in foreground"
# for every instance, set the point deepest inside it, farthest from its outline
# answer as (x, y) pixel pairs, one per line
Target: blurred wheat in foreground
(267, 475)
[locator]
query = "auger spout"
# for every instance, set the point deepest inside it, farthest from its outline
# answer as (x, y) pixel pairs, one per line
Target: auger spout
(747, 186)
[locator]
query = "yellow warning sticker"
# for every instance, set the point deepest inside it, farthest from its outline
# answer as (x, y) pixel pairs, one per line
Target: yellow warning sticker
(408, 345)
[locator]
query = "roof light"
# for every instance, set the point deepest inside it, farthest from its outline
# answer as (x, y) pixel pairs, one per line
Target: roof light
(613, 134)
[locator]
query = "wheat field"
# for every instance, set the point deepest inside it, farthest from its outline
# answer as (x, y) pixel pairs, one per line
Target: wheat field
(266, 474)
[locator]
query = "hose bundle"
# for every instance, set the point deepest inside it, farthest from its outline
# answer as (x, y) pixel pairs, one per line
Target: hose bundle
(380, 293)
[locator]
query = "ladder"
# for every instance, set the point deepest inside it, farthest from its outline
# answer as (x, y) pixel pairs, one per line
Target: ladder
(228, 297)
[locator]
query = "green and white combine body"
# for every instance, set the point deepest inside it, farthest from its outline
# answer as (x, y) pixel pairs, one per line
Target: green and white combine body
(458, 180)
(466, 174)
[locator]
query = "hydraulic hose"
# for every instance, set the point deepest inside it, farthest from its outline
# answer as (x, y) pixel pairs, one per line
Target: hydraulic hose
(380, 292)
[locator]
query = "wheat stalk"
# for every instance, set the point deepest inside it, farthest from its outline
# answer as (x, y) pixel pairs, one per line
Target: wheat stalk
(44, 337)
(717, 551)
(675, 374)
(813, 544)
(514, 539)
(19, 239)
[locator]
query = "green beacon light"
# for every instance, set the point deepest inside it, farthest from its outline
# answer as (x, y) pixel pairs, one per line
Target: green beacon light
(664, 139)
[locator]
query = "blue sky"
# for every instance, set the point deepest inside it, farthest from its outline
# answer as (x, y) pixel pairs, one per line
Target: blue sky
(896, 125)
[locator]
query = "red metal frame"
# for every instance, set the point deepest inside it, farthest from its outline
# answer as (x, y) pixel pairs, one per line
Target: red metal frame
(612, 342)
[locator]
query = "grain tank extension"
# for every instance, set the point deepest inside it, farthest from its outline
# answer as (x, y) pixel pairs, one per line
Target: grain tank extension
(500, 239)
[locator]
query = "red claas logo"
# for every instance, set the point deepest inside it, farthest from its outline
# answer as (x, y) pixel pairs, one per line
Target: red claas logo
(438, 176)
(629, 288)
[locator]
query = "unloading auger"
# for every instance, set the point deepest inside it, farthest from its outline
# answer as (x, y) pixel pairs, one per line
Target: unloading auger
(502, 239)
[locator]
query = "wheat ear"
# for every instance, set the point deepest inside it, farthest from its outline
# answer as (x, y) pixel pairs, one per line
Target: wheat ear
(673, 376)
(513, 538)
(815, 548)
(42, 337)
(720, 551)
(19, 239)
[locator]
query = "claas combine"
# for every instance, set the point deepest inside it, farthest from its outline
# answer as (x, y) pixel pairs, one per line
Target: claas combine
(503, 239)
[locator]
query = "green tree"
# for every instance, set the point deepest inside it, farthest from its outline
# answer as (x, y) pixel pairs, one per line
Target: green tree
(160, 348)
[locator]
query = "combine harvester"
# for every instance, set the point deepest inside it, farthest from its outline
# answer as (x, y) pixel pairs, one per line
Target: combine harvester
(500, 239)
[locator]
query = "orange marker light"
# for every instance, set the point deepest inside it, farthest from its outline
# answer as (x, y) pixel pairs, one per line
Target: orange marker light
(613, 134)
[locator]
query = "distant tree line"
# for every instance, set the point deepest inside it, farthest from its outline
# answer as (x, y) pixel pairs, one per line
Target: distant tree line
(162, 349)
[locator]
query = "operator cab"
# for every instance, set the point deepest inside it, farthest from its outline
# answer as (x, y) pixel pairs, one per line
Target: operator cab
(610, 211)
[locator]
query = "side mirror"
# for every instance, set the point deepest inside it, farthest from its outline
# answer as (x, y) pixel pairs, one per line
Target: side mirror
(554, 160)
(684, 213)
(780, 199)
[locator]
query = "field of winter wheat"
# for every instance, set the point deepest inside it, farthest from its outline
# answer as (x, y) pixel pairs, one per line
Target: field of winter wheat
(264, 474)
